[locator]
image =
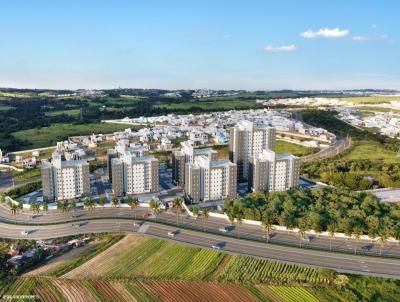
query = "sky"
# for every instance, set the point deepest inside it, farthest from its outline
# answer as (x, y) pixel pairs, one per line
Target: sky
(214, 44)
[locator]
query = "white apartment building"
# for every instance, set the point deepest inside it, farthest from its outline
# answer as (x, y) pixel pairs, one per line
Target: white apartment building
(188, 154)
(246, 140)
(63, 180)
(208, 180)
(133, 174)
(273, 172)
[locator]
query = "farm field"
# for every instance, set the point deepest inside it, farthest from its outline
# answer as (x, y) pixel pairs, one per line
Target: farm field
(48, 136)
(54, 290)
(139, 268)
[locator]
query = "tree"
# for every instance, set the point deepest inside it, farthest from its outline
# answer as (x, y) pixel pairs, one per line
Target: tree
(177, 206)
(2, 198)
(133, 203)
(35, 208)
(267, 221)
(102, 201)
(302, 231)
(239, 220)
(45, 208)
(155, 207)
(331, 228)
(89, 203)
(72, 205)
(383, 237)
(115, 201)
(204, 217)
(357, 232)
(20, 206)
(196, 212)
(13, 208)
(62, 206)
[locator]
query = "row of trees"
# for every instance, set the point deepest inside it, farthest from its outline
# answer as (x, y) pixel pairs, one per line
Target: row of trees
(328, 209)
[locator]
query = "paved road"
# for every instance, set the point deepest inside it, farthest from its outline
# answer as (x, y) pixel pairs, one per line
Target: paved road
(339, 262)
(211, 225)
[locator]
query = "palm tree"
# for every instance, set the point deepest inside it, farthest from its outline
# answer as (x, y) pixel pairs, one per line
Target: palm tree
(45, 208)
(13, 208)
(196, 212)
(268, 227)
(302, 231)
(331, 231)
(383, 237)
(133, 203)
(155, 207)
(204, 217)
(89, 203)
(102, 201)
(35, 208)
(115, 201)
(62, 206)
(357, 232)
(239, 221)
(20, 206)
(177, 206)
(72, 205)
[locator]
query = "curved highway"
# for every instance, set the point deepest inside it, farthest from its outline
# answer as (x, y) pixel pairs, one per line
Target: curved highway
(121, 220)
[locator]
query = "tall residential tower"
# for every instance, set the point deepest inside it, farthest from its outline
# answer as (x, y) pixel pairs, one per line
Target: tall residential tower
(248, 139)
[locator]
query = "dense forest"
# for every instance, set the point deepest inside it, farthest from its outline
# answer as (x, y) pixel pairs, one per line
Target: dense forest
(328, 209)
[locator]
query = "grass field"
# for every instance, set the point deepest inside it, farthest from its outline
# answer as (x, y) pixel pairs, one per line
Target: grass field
(47, 136)
(281, 147)
(71, 112)
(371, 99)
(295, 149)
(370, 150)
(225, 104)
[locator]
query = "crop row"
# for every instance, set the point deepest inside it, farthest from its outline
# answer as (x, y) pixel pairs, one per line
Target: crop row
(244, 269)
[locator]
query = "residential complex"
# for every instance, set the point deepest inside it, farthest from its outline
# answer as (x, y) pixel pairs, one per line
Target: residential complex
(273, 172)
(63, 180)
(124, 148)
(248, 139)
(134, 175)
(188, 154)
(132, 170)
(208, 179)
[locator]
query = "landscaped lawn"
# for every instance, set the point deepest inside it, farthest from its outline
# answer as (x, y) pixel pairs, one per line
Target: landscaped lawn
(48, 136)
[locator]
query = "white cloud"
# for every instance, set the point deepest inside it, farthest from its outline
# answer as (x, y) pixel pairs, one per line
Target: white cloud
(374, 26)
(380, 38)
(283, 48)
(325, 33)
(361, 38)
(227, 36)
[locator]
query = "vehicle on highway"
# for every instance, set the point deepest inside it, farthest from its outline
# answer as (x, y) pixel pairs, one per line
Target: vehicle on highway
(25, 232)
(76, 225)
(216, 246)
(307, 239)
(146, 215)
(137, 223)
(173, 233)
(225, 229)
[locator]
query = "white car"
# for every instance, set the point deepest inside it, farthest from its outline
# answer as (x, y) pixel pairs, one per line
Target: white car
(224, 229)
(216, 246)
(172, 234)
(25, 232)
(137, 223)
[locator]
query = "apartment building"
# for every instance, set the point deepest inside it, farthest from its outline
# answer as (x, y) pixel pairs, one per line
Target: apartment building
(248, 139)
(273, 172)
(207, 180)
(63, 180)
(124, 148)
(188, 154)
(132, 174)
